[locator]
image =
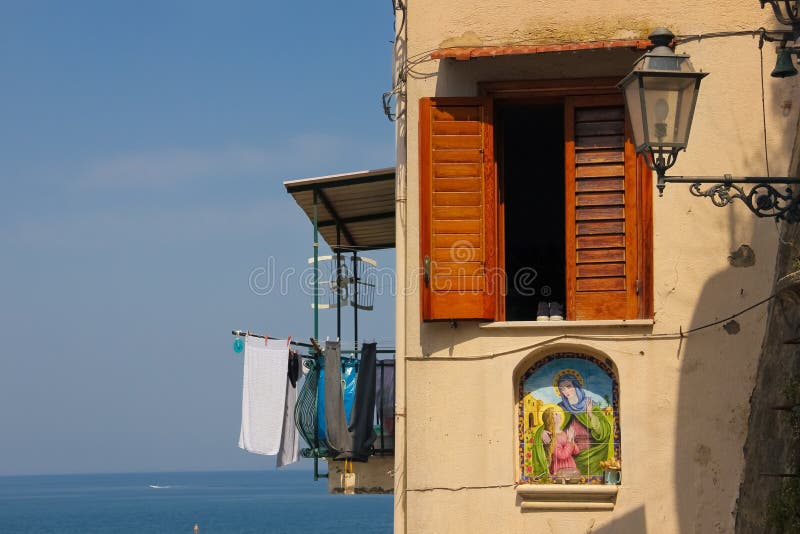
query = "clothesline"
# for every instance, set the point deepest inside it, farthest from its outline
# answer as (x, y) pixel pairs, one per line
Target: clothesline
(262, 336)
(313, 345)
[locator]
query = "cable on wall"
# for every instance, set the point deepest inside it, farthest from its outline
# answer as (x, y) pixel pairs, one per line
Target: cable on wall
(461, 488)
(763, 101)
(424, 57)
(672, 335)
(398, 78)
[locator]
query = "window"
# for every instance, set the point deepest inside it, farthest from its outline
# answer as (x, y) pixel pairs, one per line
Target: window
(541, 199)
(531, 171)
(569, 421)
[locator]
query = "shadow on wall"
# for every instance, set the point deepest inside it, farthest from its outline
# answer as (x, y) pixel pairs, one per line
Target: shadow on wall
(632, 522)
(715, 382)
(712, 402)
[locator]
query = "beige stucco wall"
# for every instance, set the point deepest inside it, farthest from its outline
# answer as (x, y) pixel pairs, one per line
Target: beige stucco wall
(683, 401)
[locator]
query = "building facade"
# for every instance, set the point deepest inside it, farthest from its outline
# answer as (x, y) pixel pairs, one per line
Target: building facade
(520, 197)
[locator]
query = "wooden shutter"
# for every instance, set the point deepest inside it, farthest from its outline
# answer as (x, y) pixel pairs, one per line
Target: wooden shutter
(602, 222)
(458, 203)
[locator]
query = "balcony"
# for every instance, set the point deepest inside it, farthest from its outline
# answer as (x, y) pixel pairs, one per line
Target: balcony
(353, 213)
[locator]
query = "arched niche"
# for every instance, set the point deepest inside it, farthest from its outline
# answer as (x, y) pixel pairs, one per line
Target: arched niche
(568, 419)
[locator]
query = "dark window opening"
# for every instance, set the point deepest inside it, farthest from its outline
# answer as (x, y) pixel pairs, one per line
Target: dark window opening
(531, 150)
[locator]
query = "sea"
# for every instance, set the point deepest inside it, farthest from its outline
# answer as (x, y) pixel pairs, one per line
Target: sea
(217, 502)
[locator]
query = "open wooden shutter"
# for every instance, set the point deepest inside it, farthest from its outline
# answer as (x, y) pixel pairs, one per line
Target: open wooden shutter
(601, 210)
(458, 203)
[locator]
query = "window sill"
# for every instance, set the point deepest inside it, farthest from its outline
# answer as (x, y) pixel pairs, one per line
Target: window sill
(571, 324)
(567, 497)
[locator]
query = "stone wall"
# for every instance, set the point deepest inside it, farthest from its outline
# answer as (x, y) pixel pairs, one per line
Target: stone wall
(769, 503)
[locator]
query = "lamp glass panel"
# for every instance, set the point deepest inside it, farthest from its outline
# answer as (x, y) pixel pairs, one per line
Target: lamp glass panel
(688, 97)
(684, 65)
(666, 63)
(661, 62)
(667, 109)
(634, 105)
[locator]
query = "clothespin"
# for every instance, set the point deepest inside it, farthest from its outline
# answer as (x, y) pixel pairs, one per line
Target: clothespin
(289, 341)
(266, 339)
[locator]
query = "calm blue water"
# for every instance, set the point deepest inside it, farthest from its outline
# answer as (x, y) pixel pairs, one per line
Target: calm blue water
(219, 502)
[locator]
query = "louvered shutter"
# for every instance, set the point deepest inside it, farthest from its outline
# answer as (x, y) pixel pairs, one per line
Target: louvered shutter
(601, 211)
(458, 206)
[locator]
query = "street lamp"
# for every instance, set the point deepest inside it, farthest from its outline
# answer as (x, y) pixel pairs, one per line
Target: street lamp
(660, 96)
(660, 93)
(787, 12)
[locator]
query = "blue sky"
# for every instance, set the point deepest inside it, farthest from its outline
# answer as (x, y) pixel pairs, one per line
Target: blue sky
(144, 145)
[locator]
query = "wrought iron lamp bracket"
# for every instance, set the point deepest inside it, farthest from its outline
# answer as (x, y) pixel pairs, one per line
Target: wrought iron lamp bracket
(766, 197)
(660, 160)
(790, 17)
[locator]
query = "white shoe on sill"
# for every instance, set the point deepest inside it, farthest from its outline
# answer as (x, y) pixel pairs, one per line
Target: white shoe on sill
(543, 311)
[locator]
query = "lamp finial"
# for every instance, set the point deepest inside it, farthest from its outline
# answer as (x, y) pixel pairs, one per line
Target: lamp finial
(661, 37)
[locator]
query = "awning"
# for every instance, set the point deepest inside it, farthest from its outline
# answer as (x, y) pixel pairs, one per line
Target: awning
(463, 53)
(361, 204)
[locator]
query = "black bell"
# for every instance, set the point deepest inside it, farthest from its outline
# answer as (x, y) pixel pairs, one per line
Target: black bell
(784, 67)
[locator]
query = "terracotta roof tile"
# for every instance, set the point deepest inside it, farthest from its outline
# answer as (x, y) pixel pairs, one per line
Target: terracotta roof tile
(470, 52)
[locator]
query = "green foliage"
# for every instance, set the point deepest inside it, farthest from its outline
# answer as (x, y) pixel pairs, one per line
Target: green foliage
(783, 507)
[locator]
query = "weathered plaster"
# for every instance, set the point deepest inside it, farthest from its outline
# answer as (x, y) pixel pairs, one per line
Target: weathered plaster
(744, 256)
(465, 39)
(541, 30)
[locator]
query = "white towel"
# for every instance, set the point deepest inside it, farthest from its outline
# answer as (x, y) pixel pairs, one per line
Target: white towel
(290, 440)
(263, 394)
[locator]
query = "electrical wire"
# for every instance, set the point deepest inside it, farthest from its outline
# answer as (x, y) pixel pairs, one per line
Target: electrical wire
(671, 335)
(769, 35)
(735, 315)
(398, 77)
(461, 488)
(398, 6)
(763, 102)
(680, 39)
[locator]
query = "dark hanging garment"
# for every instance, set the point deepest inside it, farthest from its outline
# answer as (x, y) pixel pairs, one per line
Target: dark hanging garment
(384, 399)
(294, 367)
(353, 441)
(336, 431)
(362, 417)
